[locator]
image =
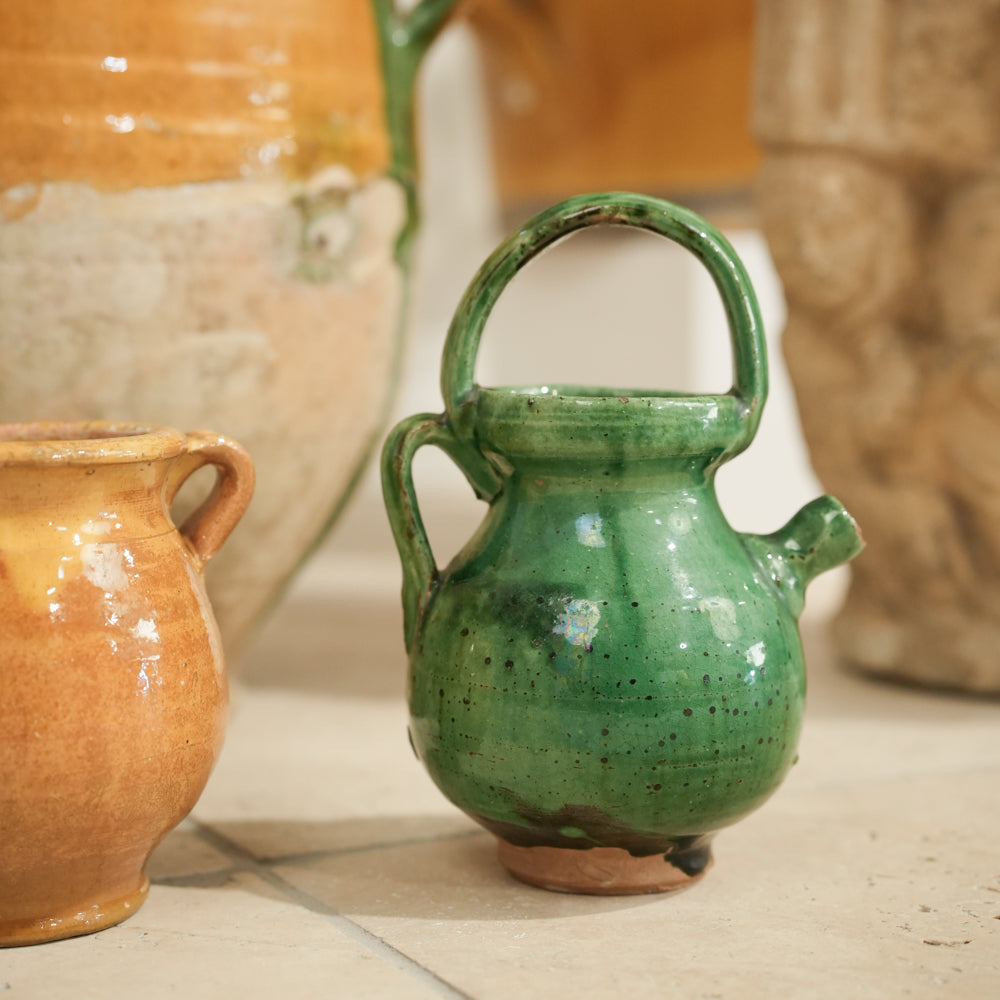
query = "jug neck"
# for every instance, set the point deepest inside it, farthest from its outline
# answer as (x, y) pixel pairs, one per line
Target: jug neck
(60, 481)
(560, 424)
(538, 477)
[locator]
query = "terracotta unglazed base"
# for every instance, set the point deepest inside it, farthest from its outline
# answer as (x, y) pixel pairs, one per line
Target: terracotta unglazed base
(597, 871)
(77, 920)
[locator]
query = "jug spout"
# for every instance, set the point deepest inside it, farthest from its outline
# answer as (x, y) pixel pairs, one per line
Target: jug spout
(820, 536)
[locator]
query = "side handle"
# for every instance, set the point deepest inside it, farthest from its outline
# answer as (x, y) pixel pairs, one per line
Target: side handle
(210, 525)
(420, 572)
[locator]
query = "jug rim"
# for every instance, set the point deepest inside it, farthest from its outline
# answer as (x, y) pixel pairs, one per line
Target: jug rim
(588, 422)
(86, 442)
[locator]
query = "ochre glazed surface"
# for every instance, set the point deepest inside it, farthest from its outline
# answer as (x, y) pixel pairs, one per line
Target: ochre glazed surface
(112, 687)
(143, 95)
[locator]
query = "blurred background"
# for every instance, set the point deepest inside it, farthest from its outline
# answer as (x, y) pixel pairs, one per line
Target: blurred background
(208, 221)
(220, 237)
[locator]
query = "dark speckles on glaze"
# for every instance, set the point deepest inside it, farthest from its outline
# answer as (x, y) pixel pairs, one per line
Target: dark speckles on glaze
(599, 667)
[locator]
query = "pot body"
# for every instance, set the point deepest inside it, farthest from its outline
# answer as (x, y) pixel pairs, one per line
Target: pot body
(607, 665)
(204, 221)
(112, 685)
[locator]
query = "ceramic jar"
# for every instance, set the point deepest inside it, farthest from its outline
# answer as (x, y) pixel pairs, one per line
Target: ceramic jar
(607, 673)
(880, 199)
(205, 220)
(112, 685)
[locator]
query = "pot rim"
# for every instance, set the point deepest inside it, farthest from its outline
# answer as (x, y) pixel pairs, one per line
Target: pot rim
(584, 422)
(87, 442)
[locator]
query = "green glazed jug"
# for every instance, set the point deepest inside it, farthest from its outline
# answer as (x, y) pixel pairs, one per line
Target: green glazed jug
(607, 673)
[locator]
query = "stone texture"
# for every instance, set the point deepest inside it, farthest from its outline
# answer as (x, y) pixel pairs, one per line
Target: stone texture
(880, 198)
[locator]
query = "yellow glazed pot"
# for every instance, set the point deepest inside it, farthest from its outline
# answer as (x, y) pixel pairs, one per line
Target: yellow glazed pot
(112, 685)
(205, 221)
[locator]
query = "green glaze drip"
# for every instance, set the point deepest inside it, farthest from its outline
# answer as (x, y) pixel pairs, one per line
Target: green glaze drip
(403, 42)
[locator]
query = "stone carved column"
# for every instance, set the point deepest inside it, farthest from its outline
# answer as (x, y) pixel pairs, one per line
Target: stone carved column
(880, 198)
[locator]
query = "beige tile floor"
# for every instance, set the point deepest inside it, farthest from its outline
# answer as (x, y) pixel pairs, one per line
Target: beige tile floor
(321, 862)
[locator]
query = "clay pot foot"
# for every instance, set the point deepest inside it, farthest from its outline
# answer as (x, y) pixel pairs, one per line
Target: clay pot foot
(74, 921)
(602, 871)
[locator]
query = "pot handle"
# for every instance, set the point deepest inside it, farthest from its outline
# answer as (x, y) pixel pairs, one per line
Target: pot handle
(420, 572)
(618, 209)
(210, 525)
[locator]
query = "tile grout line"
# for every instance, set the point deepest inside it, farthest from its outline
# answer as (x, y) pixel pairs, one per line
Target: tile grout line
(244, 861)
(339, 852)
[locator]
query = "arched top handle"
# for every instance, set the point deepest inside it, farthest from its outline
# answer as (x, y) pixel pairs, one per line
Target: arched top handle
(616, 209)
